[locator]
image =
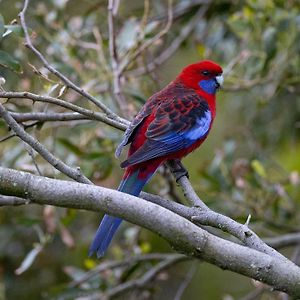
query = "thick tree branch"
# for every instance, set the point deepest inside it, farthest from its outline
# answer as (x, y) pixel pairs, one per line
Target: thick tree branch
(183, 235)
(202, 215)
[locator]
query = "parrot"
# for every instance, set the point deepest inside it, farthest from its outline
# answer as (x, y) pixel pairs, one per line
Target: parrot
(172, 123)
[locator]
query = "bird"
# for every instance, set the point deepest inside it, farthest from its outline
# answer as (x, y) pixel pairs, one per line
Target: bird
(172, 123)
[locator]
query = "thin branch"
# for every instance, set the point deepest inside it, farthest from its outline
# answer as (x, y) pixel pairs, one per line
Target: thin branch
(282, 241)
(99, 48)
(48, 116)
(253, 295)
(182, 8)
(119, 124)
(126, 62)
(117, 73)
(296, 255)
(109, 265)
(31, 154)
(183, 235)
(12, 201)
(54, 71)
(150, 275)
(25, 127)
(172, 48)
(184, 284)
(247, 84)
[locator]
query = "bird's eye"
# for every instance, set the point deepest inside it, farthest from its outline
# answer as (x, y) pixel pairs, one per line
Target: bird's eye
(205, 73)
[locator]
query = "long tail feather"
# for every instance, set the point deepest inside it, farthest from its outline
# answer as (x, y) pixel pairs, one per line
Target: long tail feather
(131, 184)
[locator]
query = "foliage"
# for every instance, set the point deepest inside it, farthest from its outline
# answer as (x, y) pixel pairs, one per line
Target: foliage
(250, 164)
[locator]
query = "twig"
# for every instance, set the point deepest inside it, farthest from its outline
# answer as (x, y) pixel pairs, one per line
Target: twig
(144, 19)
(172, 48)
(117, 73)
(296, 255)
(41, 149)
(99, 48)
(25, 127)
(248, 84)
(31, 154)
(184, 284)
(109, 265)
(48, 116)
(182, 8)
(7, 137)
(253, 295)
(282, 241)
(127, 61)
(12, 201)
(47, 65)
(141, 282)
(120, 124)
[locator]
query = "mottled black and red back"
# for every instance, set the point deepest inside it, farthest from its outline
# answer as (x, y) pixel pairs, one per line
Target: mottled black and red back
(169, 123)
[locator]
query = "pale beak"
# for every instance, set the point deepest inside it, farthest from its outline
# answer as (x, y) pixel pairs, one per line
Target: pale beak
(220, 80)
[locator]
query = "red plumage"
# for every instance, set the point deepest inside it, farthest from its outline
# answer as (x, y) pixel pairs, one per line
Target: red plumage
(171, 124)
(185, 86)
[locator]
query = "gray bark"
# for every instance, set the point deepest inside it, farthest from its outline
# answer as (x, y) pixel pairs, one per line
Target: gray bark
(182, 234)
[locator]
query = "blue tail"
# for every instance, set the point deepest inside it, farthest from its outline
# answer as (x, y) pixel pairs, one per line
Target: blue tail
(131, 185)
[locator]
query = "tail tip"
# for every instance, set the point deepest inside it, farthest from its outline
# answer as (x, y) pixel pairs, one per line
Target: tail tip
(99, 252)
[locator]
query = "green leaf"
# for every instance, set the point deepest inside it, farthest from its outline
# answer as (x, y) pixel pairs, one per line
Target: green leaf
(1, 27)
(69, 217)
(17, 29)
(269, 40)
(258, 168)
(137, 96)
(7, 61)
(70, 146)
(128, 35)
(94, 155)
(29, 259)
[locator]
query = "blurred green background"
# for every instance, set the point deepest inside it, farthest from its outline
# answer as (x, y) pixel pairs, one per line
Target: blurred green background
(250, 163)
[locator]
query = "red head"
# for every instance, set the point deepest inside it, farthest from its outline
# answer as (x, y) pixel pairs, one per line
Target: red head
(205, 75)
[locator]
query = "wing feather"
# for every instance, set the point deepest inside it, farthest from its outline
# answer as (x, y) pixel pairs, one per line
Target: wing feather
(179, 122)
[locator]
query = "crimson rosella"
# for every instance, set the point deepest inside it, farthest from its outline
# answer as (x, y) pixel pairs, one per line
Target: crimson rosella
(171, 124)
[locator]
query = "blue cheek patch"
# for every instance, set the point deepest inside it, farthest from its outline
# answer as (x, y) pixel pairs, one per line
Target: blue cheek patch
(208, 86)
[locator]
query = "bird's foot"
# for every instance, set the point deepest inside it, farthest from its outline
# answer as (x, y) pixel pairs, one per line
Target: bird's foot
(177, 169)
